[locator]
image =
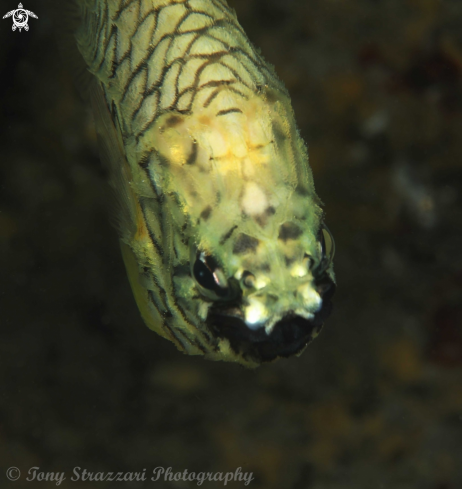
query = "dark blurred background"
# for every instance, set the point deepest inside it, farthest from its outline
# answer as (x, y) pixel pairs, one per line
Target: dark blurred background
(376, 401)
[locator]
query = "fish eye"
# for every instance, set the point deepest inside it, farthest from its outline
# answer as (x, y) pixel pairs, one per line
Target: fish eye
(248, 279)
(204, 275)
(327, 244)
(211, 278)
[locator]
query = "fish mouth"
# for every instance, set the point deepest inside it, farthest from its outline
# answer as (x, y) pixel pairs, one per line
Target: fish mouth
(289, 336)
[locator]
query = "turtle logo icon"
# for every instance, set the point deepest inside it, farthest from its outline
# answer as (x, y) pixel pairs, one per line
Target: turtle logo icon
(20, 18)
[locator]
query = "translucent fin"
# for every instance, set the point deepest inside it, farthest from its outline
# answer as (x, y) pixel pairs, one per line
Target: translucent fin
(123, 202)
(67, 17)
(149, 313)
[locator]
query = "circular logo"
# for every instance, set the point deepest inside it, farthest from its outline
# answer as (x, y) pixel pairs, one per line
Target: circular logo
(13, 474)
(20, 18)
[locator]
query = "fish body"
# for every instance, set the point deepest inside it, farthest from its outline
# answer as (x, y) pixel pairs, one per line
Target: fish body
(221, 229)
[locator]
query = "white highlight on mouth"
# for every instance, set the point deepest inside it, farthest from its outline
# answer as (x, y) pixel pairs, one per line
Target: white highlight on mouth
(299, 270)
(255, 314)
(261, 283)
(304, 314)
(305, 303)
(311, 298)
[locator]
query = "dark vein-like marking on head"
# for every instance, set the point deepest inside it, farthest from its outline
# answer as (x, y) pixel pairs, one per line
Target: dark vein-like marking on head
(157, 86)
(143, 162)
(245, 244)
(211, 83)
(115, 61)
(212, 57)
(177, 248)
(181, 312)
(206, 213)
(141, 72)
(289, 230)
(170, 35)
(255, 61)
(155, 298)
(143, 63)
(165, 325)
(176, 32)
(186, 55)
(244, 67)
(215, 93)
(192, 12)
(236, 75)
(150, 122)
(182, 346)
(195, 341)
(238, 92)
(211, 97)
(122, 8)
(193, 155)
(227, 235)
(192, 341)
(113, 32)
(154, 241)
(99, 30)
(148, 14)
(195, 89)
(234, 110)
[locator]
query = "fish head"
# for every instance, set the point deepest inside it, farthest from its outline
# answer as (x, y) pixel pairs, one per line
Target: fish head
(268, 295)
(257, 277)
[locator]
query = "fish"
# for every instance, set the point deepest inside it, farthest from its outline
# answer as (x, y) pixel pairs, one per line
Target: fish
(221, 231)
